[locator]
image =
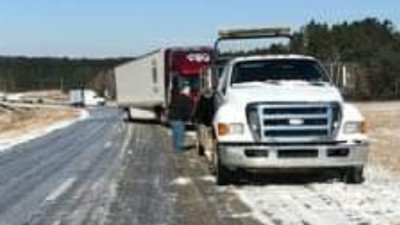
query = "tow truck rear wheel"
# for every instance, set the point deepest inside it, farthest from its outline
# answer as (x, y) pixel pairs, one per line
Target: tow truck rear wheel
(353, 175)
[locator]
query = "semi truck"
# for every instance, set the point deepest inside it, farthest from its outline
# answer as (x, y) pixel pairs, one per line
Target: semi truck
(279, 112)
(149, 81)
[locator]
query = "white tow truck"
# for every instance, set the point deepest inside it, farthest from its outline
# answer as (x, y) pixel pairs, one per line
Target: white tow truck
(281, 112)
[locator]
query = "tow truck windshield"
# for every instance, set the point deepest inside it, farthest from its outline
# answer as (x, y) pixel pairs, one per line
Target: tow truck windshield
(278, 70)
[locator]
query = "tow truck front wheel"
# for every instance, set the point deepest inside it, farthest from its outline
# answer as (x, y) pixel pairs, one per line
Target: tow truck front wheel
(353, 175)
(223, 174)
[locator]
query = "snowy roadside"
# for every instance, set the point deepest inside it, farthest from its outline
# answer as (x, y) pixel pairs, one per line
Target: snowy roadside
(7, 143)
(375, 202)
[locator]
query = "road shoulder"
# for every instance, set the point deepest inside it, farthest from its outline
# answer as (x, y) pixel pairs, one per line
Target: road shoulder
(25, 126)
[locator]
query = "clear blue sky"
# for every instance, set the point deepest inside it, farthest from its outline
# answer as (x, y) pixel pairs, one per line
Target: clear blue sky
(102, 28)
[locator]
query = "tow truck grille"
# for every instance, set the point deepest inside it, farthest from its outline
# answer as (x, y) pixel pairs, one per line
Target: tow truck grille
(296, 121)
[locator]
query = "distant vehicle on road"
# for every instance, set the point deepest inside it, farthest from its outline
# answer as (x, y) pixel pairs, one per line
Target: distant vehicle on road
(13, 97)
(31, 99)
(85, 97)
(149, 81)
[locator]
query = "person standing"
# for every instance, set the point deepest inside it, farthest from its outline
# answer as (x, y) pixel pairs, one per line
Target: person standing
(179, 114)
(203, 116)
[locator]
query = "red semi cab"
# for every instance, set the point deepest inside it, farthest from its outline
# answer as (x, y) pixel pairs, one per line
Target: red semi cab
(149, 81)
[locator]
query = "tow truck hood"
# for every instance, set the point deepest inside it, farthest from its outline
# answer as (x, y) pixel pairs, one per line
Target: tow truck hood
(287, 92)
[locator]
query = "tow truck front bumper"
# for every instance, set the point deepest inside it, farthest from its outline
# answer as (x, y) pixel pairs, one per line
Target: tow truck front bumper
(293, 155)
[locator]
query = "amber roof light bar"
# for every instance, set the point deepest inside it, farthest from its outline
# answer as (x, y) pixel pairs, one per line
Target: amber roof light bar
(255, 33)
(250, 33)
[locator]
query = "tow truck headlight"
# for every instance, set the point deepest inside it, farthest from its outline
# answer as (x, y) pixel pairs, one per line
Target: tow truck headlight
(230, 128)
(355, 127)
(254, 121)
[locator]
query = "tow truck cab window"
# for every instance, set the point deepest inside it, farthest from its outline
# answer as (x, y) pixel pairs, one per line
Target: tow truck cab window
(278, 70)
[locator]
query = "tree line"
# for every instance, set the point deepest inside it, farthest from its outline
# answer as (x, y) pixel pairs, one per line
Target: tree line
(369, 48)
(18, 74)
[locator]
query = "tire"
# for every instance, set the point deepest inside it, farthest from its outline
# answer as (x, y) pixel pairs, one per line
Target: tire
(353, 175)
(161, 116)
(127, 115)
(224, 175)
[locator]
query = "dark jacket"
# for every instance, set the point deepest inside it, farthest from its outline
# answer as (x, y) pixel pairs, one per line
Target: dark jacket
(205, 109)
(180, 108)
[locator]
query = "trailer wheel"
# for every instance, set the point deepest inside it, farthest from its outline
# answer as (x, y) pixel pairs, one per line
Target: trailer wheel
(353, 175)
(127, 115)
(161, 115)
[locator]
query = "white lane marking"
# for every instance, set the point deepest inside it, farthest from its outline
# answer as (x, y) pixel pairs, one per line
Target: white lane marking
(125, 144)
(108, 144)
(67, 184)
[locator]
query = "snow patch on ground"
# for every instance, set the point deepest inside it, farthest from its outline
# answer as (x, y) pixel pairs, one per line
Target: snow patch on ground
(84, 114)
(181, 181)
(7, 143)
(377, 201)
(208, 178)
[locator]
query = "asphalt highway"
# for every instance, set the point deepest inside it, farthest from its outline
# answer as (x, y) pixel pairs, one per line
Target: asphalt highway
(103, 170)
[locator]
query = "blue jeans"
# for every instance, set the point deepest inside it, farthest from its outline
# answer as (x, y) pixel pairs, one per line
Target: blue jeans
(178, 135)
